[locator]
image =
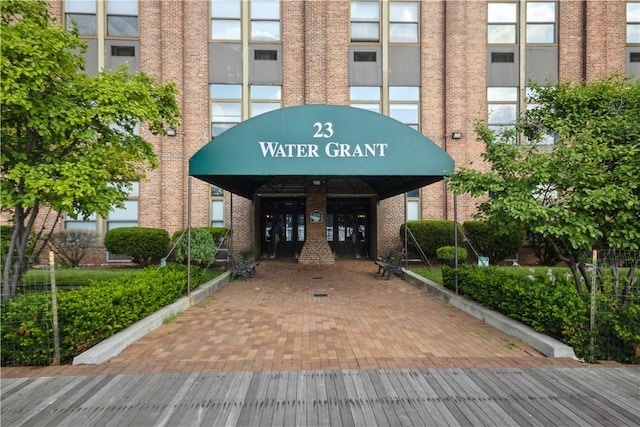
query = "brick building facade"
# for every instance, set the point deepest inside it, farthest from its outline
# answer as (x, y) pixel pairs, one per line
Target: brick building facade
(435, 65)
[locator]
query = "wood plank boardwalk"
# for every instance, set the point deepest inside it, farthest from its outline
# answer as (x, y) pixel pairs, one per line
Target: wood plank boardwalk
(381, 397)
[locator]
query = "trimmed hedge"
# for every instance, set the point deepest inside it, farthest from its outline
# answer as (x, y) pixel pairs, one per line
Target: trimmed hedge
(87, 315)
(553, 307)
(496, 242)
(143, 244)
(431, 235)
(203, 247)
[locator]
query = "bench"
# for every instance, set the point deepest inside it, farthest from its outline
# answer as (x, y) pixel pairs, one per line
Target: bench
(245, 267)
(389, 264)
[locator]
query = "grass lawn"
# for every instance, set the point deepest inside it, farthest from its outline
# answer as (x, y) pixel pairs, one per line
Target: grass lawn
(74, 277)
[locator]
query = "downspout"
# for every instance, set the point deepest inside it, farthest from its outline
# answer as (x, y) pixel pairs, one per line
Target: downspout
(445, 188)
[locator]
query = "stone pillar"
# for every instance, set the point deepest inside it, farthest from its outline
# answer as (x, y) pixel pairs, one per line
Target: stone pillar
(316, 249)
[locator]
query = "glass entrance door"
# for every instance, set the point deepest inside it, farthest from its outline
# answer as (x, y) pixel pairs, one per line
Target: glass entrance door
(283, 228)
(347, 228)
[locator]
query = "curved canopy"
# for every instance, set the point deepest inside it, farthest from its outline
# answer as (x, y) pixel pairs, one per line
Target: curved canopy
(321, 143)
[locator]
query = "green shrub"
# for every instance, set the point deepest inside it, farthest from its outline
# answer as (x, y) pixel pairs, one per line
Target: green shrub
(216, 232)
(203, 247)
(495, 241)
(87, 315)
(449, 253)
(430, 234)
(542, 249)
(144, 245)
(552, 305)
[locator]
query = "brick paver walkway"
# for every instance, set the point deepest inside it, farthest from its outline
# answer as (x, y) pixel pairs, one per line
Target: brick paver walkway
(293, 316)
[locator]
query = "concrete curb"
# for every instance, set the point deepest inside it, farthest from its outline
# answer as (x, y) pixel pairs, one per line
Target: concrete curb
(546, 345)
(115, 344)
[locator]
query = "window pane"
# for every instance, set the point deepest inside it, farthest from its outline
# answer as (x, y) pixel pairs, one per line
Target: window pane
(405, 113)
(365, 11)
(258, 108)
(225, 112)
(225, 9)
(80, 225)
(365, 93)
(135, 189)
(80, 6)
(86, 24)
(266, 92)
(365, 31)
(633, 12)
(633, 33)
(122, 7)
(403, 33)
(265, 9)
(501, 34)
(414, 193)
(540, 33)
(404, 93)
(217, 210)
(218, 128)
(501, 12)
(370, 107)
(413, 212)
(225, 29)
(225, 91)
(265, 30)
(130, 212)
(502, 94)
(502, 113)
(541, 12)
(216, 191)
(403, 12)
(124, 26)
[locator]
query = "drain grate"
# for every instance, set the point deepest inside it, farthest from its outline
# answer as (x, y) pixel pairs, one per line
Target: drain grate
(316, 278)
(320, 295)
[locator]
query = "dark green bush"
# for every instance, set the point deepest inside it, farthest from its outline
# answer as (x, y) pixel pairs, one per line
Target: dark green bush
(553, 307)
(495, 241)
(144, 245)
(87, 315)
(430, 234)
(542, 249)
(203, 247)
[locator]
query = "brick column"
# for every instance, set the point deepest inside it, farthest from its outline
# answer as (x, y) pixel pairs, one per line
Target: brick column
(316, 249)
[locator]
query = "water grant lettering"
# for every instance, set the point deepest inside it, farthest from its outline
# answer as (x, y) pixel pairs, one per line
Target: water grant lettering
(332, 149)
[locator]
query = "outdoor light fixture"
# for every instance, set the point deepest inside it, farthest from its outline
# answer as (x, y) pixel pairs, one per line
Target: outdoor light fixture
(316, 182)
(456, 135)
(171, 132)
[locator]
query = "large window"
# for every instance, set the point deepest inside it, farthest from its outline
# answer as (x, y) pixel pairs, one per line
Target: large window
(265, 20)
(546, 139)
(403, 22)
(128, 215)
(217, 206)
(633, 22)
(83, 13)
(404, 105)
(501, 23)
(366, 97)
(365, 21)
(122, 18)
(541, 22)
(225, 19)
(226, 107)
(265, 99)
(502, 107)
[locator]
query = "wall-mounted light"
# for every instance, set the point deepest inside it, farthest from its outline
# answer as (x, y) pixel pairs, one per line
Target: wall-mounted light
(171, 132)
(456, 135)
(316, 182)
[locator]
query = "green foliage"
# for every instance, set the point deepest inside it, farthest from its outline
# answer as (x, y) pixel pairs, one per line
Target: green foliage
(543, 249)
(551, 305)
(431, 234)
(218, 233)
(203, 247)
(88, 315)
(69, 140)
(143, 244)
(449, 253)
(583, 192)
(495, 240)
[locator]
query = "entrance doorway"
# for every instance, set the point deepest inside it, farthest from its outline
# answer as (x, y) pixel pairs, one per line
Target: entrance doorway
(283, 227)
(348, 227)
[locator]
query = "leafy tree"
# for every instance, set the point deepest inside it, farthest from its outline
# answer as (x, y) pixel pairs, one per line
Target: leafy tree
(69, 140)
(581, 193)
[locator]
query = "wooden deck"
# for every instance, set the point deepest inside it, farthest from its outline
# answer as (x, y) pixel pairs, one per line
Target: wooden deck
(394, 397)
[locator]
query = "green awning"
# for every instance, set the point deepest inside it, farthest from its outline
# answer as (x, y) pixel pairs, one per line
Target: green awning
(321, 142)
